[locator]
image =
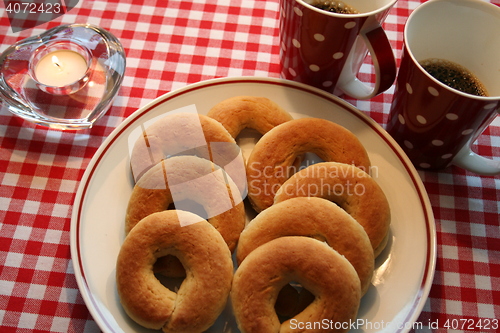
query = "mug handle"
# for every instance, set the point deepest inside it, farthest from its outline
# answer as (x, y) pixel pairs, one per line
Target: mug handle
(469, 160)
(383, 61)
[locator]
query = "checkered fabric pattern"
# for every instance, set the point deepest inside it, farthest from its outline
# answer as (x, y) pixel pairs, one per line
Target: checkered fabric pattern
(170, 44)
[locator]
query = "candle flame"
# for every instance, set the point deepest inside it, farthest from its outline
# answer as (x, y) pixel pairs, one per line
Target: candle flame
(55, 61)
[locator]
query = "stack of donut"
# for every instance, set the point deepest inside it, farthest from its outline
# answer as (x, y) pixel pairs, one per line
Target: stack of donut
(320, 226)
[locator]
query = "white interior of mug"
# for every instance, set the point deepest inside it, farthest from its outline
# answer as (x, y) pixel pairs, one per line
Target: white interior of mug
(363, 6)
(466, 32)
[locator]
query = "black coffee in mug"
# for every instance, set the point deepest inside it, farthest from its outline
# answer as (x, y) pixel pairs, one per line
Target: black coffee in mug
(333, 6)
(454, 76)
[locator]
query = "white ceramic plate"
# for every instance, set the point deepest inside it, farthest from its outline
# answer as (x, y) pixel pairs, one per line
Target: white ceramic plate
(404, 271)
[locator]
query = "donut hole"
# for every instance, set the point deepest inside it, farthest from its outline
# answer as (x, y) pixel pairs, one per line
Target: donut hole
(292, 299)
(169, 266)
(172, 283)
(341, 200)
(304, 160)
(311, 158)
(246, 140)
(191, 206)
(202, 151)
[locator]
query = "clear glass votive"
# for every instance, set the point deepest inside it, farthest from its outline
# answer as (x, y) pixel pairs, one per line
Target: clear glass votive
(75, 102)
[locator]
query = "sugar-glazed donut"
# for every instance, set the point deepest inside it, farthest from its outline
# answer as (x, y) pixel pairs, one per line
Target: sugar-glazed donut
(315, 265)
(239, 112)
(351, 188)
(271, 162)
(312, 217)
(193, 184)
(182, 134)
(202, 295)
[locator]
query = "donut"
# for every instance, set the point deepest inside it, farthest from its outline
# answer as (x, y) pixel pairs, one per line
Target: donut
(349, 187)
(182, 134)
(315, 265)
(240, 112)
(190, 183)
(312, 217)
(202, 295)
(271, 162)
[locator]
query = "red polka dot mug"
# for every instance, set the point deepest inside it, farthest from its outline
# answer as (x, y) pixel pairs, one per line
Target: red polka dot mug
(448, 85)
(324, 43)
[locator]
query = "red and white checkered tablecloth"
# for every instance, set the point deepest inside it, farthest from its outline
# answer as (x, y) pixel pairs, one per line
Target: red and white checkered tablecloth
(170, 44)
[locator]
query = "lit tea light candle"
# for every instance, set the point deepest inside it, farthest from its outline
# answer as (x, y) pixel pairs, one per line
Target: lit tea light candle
(61, 68)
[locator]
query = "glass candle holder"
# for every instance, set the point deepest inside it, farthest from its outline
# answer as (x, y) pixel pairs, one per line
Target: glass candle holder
(30, 88)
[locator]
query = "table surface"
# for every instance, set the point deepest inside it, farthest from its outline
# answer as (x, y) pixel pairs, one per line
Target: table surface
(170, 44)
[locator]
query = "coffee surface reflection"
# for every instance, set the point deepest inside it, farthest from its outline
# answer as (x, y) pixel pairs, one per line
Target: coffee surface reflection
(454, 76)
